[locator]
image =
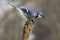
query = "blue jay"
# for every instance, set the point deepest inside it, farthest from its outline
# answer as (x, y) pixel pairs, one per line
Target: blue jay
(29, 13)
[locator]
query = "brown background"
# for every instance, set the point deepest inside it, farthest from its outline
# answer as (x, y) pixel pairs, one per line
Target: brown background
(11, 23)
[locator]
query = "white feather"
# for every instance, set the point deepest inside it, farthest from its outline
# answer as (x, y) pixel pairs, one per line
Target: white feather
(39, 16)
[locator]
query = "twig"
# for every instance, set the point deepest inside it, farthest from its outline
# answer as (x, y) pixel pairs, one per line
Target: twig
(28, 29)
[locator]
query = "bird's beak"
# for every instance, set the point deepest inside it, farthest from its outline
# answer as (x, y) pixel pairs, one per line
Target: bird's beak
(43, 16)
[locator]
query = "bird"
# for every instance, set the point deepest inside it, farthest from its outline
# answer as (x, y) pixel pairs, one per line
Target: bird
(28, 13)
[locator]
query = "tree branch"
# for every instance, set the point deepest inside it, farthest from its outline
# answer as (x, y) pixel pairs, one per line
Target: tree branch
(28, 27)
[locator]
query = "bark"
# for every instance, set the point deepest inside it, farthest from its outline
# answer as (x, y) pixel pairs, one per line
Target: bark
(28, 29)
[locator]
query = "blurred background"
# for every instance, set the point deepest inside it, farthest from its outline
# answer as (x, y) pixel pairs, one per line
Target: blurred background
(11, 23)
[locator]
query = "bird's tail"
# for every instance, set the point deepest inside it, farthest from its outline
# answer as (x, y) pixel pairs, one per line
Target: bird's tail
(12, 5)
(20, 11)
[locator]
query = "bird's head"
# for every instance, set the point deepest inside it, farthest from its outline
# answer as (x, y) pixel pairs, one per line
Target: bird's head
(40, 14)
